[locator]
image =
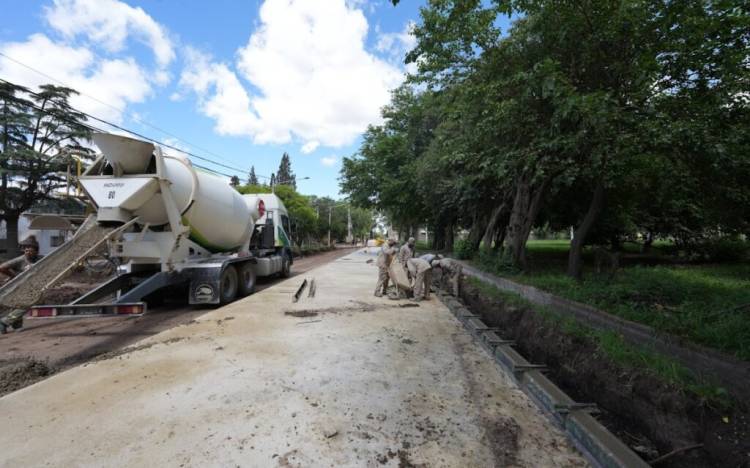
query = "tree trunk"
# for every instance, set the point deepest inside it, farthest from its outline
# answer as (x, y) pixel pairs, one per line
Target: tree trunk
(449, 237)
(478, 226)
(575, 261)
(526, 206)
(499, 238)
(516, 243)
(11, 236)
(648, 242)
(438, 239)
(489, 232)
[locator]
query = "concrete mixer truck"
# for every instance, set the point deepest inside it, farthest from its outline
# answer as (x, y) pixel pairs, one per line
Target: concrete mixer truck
(172, 224)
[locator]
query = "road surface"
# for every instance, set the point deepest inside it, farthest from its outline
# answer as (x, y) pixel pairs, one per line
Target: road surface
(61, 343)
(338, 379)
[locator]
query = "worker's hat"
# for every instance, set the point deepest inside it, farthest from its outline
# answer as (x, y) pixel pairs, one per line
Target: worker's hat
(30, 242)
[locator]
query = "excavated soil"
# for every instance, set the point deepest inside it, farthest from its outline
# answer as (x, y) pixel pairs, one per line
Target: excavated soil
(653, 417)
(21, 372)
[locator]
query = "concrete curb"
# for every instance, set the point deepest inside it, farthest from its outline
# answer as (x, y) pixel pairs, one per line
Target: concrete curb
(728, 370)
(597, 443)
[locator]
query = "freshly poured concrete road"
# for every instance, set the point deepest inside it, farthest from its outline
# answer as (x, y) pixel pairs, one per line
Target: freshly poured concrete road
(351, 380)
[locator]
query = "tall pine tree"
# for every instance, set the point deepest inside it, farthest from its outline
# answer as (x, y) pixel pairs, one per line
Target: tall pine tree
(39, 133)
(285, 176)
(252, 179)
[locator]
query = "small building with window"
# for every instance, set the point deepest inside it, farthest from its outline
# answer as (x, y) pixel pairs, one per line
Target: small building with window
(52, 221)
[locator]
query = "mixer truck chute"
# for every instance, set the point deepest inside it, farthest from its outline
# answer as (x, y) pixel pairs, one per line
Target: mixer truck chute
(179, 225)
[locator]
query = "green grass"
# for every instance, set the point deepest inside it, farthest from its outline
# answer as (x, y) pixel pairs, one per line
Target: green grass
(696, 302)
(614, 347)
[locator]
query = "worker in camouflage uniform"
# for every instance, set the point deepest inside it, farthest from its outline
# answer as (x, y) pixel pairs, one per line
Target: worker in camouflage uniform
(450, 274)
(430, 257)
(385, 257)
(13, 268)
(421, 274)
(407, 251)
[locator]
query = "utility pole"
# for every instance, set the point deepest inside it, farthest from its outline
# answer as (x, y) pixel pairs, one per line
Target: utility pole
(349, 224)
(330, 208)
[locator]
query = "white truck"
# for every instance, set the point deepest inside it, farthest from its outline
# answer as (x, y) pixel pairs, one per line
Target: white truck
(173, 224)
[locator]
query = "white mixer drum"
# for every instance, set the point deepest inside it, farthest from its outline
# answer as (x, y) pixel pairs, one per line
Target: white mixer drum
(218, 217)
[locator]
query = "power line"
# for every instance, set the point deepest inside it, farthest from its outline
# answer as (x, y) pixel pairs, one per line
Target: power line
(136, 118)
(100, 130)
(139, 135)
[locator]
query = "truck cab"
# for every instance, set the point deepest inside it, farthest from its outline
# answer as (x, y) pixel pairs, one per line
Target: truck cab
(271, 241)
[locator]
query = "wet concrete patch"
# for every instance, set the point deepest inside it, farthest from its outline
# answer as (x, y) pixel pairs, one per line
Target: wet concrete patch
(301, 313)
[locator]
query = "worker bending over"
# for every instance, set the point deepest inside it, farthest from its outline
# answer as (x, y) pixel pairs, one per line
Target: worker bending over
(421, 277)
(385, 257)
(13, 268)
(430, 257)
(450, 275)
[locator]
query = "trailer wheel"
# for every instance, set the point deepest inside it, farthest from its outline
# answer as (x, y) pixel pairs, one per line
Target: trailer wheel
(286, 266)
(229, 285)
(247, 279)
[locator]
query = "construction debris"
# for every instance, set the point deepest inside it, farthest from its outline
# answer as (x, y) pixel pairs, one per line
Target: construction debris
(311, 293)
(301, 288)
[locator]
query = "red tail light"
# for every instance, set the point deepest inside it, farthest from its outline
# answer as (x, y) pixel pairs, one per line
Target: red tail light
(43, 312)
(129, 309)
(261, 208)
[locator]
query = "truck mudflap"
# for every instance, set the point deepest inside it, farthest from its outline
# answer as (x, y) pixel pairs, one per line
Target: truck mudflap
(88, 310)
(205, 285)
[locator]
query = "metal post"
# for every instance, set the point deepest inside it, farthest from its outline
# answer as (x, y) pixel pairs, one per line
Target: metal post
(349, 224)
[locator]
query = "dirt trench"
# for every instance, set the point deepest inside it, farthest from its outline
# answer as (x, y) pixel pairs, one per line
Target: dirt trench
(653, 417)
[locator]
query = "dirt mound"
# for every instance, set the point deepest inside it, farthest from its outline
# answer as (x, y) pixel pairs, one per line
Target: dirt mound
(650, 415)
(21, 372)
(63, 294)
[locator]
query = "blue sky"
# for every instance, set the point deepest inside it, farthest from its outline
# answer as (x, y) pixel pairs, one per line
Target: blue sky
(236, 81)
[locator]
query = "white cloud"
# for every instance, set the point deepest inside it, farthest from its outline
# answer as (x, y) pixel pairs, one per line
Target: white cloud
(397, 44)
(116, 82)
(329, 160)
(108, 23)
(309, 147)
(181, 150)
(313, 79)
(220, 94)
(87, 28)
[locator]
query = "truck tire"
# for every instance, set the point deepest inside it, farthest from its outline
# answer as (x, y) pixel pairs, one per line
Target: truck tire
(286, 266)
(229, 285)
(247, 279)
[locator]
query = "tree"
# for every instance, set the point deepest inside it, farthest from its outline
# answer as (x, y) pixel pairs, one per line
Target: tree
(272, 181)
(252, 179)
(234, 181)
(285, 175)
(39, 132)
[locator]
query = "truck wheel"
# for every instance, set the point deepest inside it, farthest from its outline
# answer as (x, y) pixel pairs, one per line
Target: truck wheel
(286, 266)
(247, 279)
(229, 285)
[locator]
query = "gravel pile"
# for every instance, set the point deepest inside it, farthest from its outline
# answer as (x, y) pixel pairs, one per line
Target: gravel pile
(26, 290)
